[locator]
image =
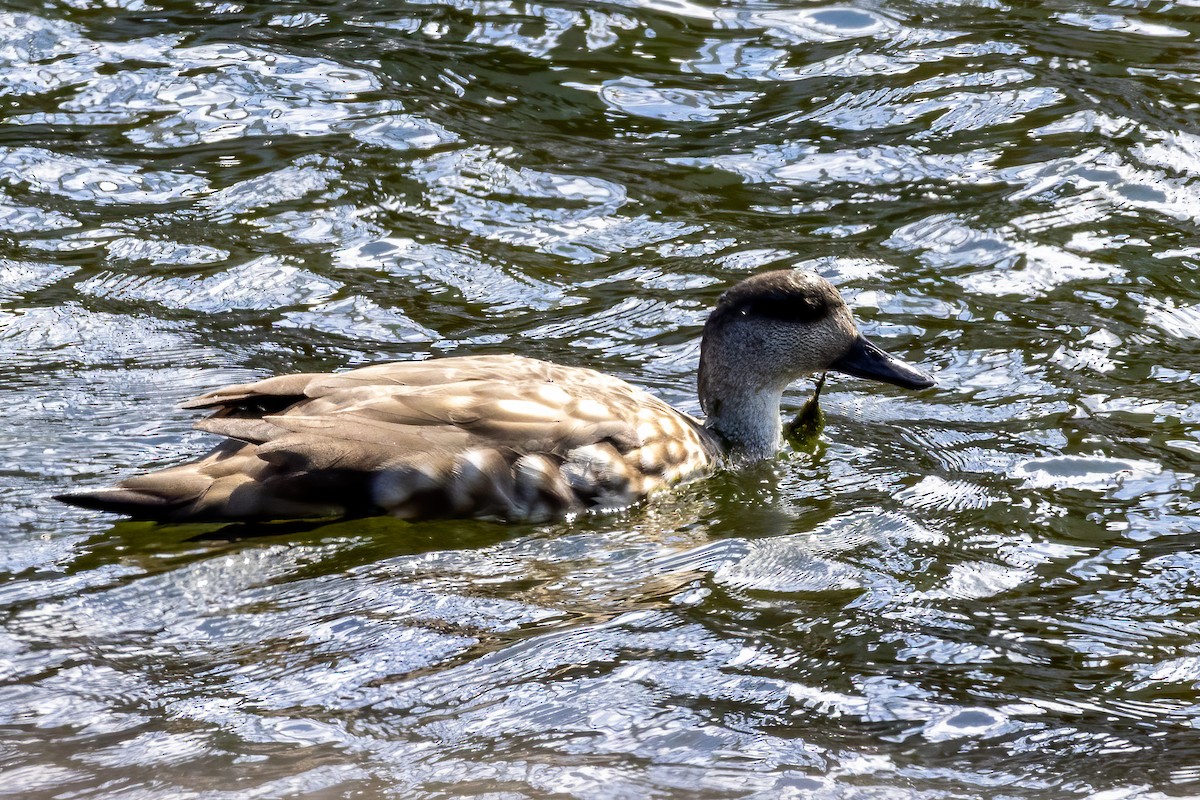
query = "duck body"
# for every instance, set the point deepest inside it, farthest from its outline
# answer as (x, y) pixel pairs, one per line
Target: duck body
(504, 436)
(481, 436)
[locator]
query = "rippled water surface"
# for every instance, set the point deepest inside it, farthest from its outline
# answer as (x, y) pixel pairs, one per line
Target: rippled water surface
(991, 590)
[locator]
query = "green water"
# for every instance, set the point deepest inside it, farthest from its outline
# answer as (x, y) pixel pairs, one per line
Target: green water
(985, 591)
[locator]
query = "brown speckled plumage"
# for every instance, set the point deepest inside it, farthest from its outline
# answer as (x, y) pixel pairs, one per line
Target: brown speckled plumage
(490, 436)
(502, 437)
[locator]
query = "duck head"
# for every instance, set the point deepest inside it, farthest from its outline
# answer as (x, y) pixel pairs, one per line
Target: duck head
(769, 331)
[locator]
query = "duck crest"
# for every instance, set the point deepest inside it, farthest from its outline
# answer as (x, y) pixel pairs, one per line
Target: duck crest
(784, 296)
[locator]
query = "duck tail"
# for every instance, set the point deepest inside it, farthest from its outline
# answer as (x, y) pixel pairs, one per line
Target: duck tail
(137, 503)
(234, 482)
(163, 495)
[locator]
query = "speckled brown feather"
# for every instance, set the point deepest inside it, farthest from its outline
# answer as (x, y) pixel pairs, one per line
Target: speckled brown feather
(492, 436)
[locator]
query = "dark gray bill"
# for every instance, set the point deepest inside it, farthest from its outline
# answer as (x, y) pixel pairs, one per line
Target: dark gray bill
(865, 360)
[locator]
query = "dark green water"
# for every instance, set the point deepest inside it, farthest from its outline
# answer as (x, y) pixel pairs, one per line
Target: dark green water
(987, 591)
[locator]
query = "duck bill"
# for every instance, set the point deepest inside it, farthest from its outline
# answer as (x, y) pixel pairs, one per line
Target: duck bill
(865, 360)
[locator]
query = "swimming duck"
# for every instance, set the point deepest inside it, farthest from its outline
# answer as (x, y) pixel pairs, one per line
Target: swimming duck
(505, 436)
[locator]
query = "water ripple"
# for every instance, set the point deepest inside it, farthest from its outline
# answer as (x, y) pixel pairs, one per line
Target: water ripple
(264, 283)
(94, 180)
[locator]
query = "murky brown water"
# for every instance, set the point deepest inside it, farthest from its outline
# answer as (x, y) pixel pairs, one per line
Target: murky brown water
(989, 591)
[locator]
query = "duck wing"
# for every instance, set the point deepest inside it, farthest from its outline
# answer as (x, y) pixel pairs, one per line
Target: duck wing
(478, 436)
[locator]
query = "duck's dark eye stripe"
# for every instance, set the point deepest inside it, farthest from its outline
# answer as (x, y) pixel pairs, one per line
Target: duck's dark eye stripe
(786, 308)
(787, 297)
(792, 307)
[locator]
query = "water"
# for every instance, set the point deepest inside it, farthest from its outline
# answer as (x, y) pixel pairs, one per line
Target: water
(987, 591)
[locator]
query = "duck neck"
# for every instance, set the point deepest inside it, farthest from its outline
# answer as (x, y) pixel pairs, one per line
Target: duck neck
(746, 418)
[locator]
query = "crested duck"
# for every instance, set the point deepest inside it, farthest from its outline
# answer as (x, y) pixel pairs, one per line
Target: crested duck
(506, 436)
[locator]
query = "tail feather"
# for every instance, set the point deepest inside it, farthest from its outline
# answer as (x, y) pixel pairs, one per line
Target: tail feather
(167, 494)
(232, 482)
(117, 500)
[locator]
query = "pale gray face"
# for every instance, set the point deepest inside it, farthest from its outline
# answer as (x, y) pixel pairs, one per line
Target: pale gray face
(775, 328)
